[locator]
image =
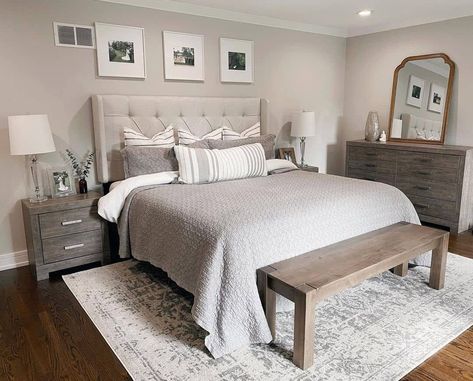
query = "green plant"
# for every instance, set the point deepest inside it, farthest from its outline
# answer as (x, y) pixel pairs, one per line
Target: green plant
(81, 168)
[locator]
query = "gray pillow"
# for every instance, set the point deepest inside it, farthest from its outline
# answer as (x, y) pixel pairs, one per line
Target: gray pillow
(142, 160)
(267, 141)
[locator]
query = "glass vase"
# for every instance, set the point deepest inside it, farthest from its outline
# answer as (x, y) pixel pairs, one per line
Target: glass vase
(82, 185)
(372, 131)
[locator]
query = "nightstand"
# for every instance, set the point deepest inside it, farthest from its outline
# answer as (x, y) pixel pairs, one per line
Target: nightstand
(308, 168)
(64, 232)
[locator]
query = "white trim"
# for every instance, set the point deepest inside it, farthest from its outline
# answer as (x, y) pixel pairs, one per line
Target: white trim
(13, 260)
(223, 14)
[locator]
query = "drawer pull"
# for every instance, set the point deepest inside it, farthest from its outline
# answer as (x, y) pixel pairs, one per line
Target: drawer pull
(370, 165)
(73, 246)
(422, 206)
(371, 154)
(425, 173)
(425, 160)
(420, 187)
(73, 222)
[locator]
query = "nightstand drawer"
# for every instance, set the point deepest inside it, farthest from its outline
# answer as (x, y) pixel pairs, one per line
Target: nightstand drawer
(72, 246)
(68, 222)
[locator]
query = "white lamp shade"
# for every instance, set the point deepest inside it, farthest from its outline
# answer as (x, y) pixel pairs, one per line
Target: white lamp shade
(30, 134)
(303, 124)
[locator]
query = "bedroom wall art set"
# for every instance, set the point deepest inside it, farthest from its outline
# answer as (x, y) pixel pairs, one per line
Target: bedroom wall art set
(121, 53)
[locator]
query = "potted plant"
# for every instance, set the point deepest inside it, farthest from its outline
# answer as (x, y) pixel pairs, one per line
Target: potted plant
(81, 168)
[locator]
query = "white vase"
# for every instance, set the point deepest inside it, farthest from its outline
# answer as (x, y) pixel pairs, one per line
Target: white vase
(372, 131)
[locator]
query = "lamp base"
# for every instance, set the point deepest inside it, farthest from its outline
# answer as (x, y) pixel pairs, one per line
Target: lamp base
(37, 200)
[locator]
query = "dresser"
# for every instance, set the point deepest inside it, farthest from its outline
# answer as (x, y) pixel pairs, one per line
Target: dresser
(64, 232)
(438, 179)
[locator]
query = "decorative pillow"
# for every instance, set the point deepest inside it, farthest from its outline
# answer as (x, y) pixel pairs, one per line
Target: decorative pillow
(187, 138)
(267, 141)
(198, 165)
(163, 139)
(251, 132)
(142, 160)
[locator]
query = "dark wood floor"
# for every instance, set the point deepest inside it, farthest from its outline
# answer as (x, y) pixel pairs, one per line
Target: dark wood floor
(45, 335)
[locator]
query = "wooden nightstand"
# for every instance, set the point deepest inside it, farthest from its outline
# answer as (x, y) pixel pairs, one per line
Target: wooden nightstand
(308, 168)
(64, 232)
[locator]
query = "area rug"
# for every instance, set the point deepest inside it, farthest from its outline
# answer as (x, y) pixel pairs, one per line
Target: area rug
(379, 330)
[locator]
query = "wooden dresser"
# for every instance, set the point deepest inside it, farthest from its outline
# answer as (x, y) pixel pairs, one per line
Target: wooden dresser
(438, 179)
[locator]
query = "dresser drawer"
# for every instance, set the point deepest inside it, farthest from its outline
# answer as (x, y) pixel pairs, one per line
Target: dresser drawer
(380, 167)
(371, 176)
(445, 210)
(441, 191)
(426, 160)
(371, 154)
(69, 221)
(72, 246)
(415, 174)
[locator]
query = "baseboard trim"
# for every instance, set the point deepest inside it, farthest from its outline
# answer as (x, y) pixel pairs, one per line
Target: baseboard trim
(13, 260)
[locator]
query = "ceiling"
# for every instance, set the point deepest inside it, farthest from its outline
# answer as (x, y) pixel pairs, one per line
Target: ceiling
(333, 17)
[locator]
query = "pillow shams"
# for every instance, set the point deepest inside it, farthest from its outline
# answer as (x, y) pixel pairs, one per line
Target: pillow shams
(198, 165)
(267, 141)
(163, 139)
(251, 132)
(143, 160)
(187, 138)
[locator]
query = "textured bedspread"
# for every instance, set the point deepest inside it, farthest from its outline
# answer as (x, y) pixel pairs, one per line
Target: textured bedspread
(211, 238)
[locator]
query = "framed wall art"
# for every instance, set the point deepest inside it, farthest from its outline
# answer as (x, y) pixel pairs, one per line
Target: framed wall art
(436, 98)
(415, 91)
(183, 56)
(236, 60)
(120, 51)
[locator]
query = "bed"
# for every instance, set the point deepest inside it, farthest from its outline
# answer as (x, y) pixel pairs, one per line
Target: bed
(211, 238)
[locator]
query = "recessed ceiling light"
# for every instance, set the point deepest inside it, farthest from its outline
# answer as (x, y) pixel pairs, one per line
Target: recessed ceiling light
(365, 12)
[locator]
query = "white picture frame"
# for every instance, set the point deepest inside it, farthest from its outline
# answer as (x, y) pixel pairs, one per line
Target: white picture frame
(236, 60)
(61, 182)
(415, 91)
(127, 44)
(183, 56)
(436, 98)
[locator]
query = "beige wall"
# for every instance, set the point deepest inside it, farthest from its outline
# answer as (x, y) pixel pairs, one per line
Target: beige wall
(370, 64)
(294, 70)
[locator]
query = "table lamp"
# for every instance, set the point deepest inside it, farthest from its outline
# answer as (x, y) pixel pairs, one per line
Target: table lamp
(31, 135)
(303, 126)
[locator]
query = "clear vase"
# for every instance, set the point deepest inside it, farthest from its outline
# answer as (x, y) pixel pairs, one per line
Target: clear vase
(372, 131)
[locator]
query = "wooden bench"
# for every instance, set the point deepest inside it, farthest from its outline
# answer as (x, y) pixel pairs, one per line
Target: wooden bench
(314, 276)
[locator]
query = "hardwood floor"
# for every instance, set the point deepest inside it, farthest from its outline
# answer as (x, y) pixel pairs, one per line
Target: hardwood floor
(45, 335)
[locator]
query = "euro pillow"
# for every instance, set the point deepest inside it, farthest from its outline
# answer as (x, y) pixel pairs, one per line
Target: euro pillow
(143, 160)
(163, 139)
(251, 132)
(267, 141)
(187, 138)
(199, 165)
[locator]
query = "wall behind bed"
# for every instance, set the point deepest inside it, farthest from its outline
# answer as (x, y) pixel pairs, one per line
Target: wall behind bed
(293, 70)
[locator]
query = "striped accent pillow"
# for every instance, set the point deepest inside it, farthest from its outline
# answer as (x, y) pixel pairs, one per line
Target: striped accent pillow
(163, 139)
(187, 138)
(251, 132)
(200, 165)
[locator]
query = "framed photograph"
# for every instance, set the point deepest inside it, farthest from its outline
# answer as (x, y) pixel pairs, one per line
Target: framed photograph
(436, 98)
(183, 56)
(236, 60)
(288, 154)
(415, 91)
(61, 182)
(120, 51)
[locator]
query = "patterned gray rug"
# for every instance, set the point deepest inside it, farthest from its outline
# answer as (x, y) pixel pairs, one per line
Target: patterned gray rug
(379, 330)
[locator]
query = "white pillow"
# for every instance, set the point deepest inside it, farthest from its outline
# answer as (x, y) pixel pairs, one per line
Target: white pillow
(251, 132)
(163, 139)
(201, 165)
(186, 138)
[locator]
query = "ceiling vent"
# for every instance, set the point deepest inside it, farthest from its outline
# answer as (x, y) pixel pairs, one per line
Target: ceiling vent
(77, 36)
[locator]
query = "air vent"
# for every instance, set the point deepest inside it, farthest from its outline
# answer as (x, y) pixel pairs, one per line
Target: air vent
(78, 36)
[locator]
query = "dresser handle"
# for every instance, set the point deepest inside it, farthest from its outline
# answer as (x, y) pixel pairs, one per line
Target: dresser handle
(424, 173)
(371, 154)
(423, 187)
(425, 160)
(422, 206)
(73, 222)
(73, 246)
(370, 165)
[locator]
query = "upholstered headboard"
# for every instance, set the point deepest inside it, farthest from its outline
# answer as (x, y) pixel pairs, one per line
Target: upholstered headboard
(414, 127)
(151, 114)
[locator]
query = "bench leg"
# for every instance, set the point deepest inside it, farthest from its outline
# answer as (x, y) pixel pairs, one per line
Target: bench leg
(268, 298)
(401, 270)
(439, 263)
(304, 316)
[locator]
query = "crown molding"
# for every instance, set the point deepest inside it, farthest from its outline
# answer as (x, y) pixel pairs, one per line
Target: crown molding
(222, 14)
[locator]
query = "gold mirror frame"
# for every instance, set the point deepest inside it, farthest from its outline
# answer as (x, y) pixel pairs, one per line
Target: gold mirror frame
(448, 61)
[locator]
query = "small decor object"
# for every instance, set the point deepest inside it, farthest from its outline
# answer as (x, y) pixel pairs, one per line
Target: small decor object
(372, 127)
(287, 154)
(415, 91)
(183, 56)
(382, 138)
(236, 60)
(61, 182)
(31, 135)
(303, 126)
(120, 51)
(82, 168)
(436, 98)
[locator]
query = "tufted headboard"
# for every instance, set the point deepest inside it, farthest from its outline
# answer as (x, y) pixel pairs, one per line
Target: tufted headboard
(414, 127)
(151, 114)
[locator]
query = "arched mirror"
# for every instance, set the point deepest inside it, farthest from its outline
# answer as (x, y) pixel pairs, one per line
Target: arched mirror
(420, 99)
